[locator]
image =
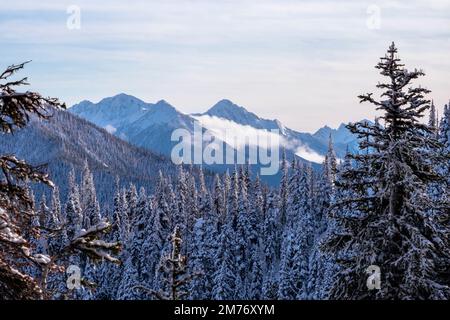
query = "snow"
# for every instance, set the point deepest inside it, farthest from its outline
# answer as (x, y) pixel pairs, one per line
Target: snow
(6, 233)
(110, 128)
(150, 125)
(41, 258)
(102, 225)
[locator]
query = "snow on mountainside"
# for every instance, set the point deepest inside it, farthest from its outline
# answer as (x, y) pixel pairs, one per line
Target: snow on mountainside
(112, 112)
(143, 124)
(340, 135)
(151, 125)
(342, 138)
(66, 140)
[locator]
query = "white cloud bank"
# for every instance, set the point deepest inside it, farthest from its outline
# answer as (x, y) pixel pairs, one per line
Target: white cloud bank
(231, 132)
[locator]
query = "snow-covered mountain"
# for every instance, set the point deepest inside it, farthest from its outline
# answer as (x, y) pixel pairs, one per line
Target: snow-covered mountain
(112, 112)
(225, 109)
(147, 125)
(66, 140)
(151, 125)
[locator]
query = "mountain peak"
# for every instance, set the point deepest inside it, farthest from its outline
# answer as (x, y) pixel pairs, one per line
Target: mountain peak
(122, 99)
(163, 102)
(162, 106)
(228, 110)
(82, 104)
(226, 105)
(226, 102)
(122, 95)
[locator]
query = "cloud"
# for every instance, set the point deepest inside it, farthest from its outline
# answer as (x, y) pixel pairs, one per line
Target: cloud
(308, 154)
(231, 132)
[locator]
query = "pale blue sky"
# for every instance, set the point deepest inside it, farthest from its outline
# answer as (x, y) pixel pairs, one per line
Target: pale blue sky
(303, 62)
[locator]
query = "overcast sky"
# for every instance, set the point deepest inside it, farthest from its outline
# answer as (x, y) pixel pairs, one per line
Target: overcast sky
(302, 62)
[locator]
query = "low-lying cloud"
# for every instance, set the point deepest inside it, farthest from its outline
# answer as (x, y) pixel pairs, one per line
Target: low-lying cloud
(246, 135)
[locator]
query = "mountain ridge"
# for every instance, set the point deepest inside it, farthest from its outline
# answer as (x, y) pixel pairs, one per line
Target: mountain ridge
(150, 125)
(66, 140)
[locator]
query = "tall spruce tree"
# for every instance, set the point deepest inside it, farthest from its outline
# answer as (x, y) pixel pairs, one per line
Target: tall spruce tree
(385, 221)
(444, 128)
(200, 287)
(173, 277)
(89, 204)
(433, 122)
(73, 212)
(270, 236)
(319, 263)
(157, 231)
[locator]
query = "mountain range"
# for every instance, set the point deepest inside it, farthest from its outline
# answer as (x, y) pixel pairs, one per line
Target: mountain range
(150, 125)
(125, 137)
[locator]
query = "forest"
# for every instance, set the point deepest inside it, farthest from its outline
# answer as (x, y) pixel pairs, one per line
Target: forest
(202, 236)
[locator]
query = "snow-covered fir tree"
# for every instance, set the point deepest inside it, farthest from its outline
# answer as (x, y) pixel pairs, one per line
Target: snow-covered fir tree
(73, 212)
(270, 238)
(156, 231)
(90, 207)
(200, 287)
(321, 265)
(444, 127)
(173, 276)
(386, 221)
(133, 265)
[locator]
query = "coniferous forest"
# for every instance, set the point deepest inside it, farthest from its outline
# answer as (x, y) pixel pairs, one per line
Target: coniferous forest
(189, 233)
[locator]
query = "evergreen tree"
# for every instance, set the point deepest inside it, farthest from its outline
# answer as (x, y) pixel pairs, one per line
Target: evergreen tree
(226, 194)
(89, 204)
(319, 263)
(218, 203)
(73, 208)
(270, 234)
(181, 198)
(204, 197)
(386, 222)
(200, 288)
(156, 232)
(17, 109)
(46, 223)
(37, 242)
(133, 265)
(173, 277)
(56, 205)
(288, 289)
(297, 238)
(132, 202)
(110, 275)
(255, 245)
(243, 250)
(225, 277)
(192, 212)
(213, 224)
(433, 119)
(444, 128)
(284, 194)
